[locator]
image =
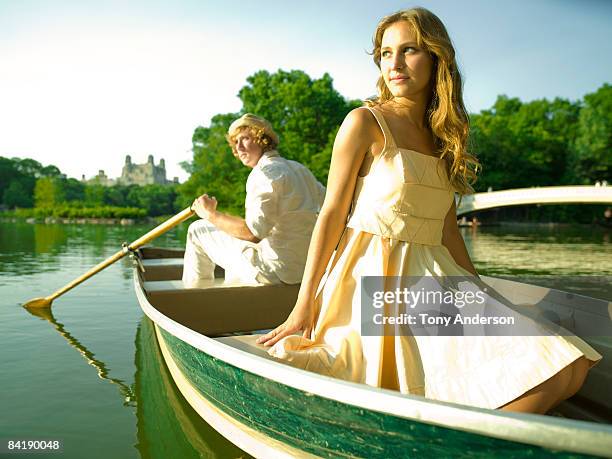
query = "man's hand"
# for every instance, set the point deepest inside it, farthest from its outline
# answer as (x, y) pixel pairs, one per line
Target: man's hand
(205, 207)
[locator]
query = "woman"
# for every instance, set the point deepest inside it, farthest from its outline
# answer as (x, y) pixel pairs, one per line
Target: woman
(399, 162)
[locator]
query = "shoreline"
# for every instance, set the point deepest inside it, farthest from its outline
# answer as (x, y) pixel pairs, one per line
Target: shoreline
(83, 221)
(145, 220)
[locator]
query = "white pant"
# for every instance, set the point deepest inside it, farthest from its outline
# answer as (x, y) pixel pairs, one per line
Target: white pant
(208, 246)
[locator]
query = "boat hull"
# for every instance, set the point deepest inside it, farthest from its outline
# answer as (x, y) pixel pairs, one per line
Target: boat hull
(270, 419)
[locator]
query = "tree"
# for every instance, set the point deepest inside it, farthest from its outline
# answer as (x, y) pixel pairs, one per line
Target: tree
(116, 195)
(303, 111)
(49, 171)
(523, 144)
(156, 199)
(94, 195)
(74, 190)
(306, 114)
(8, 174)
(15, 196)
(21, 175)
(28, 166)
(591, 153)
(215, 170)
(48, 192)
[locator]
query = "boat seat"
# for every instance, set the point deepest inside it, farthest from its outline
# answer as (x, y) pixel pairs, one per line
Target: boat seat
(154, 262)
(157, 269)
(247, 343)
(219, 306)
(205, 284)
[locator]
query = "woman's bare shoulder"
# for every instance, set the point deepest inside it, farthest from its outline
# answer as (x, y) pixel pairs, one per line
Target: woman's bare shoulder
(360, 117)
(361, 123)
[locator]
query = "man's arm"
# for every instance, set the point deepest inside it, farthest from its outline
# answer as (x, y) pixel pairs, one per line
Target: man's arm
(234, 226)
(206, 207)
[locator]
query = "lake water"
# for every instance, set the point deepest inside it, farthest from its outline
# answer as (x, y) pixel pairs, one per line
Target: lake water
(90, 375)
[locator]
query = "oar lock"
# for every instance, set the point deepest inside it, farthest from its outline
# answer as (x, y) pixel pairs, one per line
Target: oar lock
(134, 255)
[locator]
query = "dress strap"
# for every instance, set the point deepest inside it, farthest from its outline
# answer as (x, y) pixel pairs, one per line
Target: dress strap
(380, 119)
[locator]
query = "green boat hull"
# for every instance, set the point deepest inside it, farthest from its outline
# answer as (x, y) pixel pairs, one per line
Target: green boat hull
(167, 426)
(323, 427)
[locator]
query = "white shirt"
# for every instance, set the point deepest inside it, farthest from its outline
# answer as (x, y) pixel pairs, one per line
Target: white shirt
(283, 200)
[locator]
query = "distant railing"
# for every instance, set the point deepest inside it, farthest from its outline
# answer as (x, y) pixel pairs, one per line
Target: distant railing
(588, 194)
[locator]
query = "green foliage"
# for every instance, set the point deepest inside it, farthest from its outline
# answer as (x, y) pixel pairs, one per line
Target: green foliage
(15, 195)
(116, 195)
(156, 199)
(94, 195)
(215, 170)
(75, 211)
(25, 182)
(10, 172)
(74, 190)
(591, 155)
(28, 166)
(305, 113)
(48, 192)
(524, 144)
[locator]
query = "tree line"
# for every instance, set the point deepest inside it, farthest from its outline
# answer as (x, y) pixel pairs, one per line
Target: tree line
(27, 184)
(520, 144)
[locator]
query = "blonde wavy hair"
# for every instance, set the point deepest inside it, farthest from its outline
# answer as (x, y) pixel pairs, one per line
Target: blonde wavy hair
(446, 114)
(259, 136)
(259, 128)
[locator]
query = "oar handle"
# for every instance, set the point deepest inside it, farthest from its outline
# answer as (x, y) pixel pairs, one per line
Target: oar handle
(148, 237)
(162, 228)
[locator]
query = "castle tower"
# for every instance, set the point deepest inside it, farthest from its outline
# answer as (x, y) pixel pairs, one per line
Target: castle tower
(143, 174)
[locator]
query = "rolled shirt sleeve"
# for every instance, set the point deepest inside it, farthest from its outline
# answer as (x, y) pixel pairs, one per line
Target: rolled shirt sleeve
(264, 187)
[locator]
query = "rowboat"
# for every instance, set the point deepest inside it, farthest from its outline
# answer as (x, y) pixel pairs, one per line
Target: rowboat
(269, 409)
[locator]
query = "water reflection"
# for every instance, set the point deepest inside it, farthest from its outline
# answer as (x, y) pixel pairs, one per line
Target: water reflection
(167, 425)
(34, 248)
(127, 393)
(540, 250)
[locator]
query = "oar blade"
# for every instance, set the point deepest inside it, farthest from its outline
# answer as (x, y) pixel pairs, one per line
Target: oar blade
(38, 303)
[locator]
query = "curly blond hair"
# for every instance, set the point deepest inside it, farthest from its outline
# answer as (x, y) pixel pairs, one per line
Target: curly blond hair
(446, 114)
(260, 129)
(259, 136)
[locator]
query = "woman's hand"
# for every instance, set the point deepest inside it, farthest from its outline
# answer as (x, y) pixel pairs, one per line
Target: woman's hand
(205, 206)
(301, 319)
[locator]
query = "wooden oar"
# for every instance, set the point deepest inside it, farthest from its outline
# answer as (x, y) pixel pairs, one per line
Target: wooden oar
(157, 231)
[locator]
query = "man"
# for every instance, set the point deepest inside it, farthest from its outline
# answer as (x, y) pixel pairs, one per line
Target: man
(283, 199)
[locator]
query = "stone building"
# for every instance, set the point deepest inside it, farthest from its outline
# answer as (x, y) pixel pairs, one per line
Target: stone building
(100, 179)
(136, 174)
(143, 174)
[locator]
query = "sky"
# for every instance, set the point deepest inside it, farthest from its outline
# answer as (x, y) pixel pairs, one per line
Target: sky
(83, 83)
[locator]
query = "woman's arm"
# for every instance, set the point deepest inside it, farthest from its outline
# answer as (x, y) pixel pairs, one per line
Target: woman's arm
(452, 240)
(352, 142)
